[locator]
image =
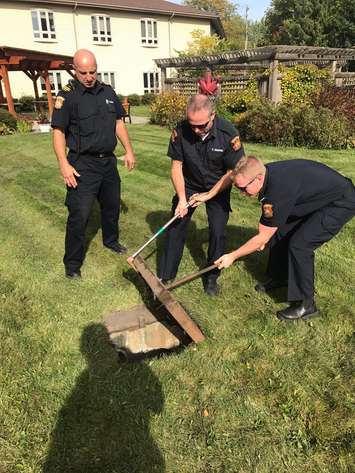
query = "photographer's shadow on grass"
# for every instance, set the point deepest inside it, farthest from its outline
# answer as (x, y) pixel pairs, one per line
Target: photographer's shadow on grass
(197, 241)
(104, 425)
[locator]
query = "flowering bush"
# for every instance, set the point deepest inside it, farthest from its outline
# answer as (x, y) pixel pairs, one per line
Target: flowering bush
(168, 109)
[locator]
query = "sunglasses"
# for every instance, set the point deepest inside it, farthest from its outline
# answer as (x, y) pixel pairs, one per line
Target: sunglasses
(201, 127)
(243, 189)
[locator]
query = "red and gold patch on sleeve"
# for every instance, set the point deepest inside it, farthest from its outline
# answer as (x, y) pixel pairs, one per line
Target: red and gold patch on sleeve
(268, 210)
(236, 143)
(58, 104)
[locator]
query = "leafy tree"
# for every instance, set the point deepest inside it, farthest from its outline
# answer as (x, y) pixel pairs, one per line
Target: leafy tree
(203, 44)
(310, 22)
(233, 23)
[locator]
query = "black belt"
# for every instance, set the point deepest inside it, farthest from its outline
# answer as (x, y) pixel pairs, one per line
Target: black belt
(102, 155)
(94, 155)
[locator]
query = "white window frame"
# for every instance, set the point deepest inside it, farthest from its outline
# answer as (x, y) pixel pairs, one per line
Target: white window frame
(151, 88)
(149, 39)
(39, 34)
(108, 78)
(55, 79)
(103, 35)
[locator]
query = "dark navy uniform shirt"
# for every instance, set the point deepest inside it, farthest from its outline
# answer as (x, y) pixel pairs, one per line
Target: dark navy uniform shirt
(298, 187)
(205, 162)
(88, 117)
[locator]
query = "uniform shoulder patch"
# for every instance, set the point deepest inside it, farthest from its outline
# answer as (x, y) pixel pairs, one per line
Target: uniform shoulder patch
(236, 143)
(268, 210)
(174, 135)
(59, 101)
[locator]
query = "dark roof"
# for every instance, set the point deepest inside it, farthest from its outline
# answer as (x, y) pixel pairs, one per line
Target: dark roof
(159, 6)
(147, 6)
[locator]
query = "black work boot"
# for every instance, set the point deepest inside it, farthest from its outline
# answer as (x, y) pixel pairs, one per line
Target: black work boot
(72, 274)
(270, 285)
(211, 287)
(302, 310)
(118, 248)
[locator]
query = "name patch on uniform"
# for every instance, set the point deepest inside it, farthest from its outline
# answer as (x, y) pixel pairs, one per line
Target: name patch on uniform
(59, 101)
(173, 136)
(236, 144)
(219, 150)
(109, 101)
(268, 210)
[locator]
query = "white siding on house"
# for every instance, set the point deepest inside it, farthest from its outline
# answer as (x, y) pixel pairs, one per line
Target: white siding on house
(126, 56)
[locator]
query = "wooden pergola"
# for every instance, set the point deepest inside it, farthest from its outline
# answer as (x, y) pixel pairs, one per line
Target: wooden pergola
(34, 64)
(258, 59)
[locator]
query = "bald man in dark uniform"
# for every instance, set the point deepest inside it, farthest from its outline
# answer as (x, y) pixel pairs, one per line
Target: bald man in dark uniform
(87, 119)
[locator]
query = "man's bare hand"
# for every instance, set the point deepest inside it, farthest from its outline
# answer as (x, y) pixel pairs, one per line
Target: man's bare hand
(198, 199)
(224, 261)
(129, 161)
(69, 173)
(181, 209)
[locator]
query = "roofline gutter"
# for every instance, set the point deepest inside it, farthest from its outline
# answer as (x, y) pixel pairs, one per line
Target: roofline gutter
(205, 16)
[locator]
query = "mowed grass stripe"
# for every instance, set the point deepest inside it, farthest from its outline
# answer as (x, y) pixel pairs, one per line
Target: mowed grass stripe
(258, 395)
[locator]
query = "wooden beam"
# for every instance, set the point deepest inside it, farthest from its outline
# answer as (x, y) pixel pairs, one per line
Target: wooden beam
(2, 98)
(9, 99)
(45, 75)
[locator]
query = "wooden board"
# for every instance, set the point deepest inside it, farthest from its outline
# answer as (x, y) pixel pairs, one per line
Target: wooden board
(171, 304)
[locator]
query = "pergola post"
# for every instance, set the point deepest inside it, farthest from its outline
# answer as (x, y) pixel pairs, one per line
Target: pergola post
(45, 75)
(274, 92)
(163, 78)
(2, 98)
(9, 99)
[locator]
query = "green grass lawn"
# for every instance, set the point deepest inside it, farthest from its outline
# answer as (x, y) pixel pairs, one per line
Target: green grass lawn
(140, 111)
(258, 395)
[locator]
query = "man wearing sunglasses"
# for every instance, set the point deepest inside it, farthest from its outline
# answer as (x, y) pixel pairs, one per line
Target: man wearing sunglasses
(304, 204)
(203, 148)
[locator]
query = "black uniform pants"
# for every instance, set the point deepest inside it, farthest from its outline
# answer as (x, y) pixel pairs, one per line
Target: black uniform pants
(218, 214)
(291, 255)
(99, 180)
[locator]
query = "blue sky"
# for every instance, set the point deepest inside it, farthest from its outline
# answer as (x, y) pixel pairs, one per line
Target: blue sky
(257, 8)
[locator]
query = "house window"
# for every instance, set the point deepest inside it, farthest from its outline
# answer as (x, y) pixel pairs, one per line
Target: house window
(149, 32)
(43, 25)
(107, 78)
(55, 81)
(101, 29)
(151, 82)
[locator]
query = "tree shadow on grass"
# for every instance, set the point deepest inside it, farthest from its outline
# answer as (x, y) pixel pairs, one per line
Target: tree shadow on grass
(104, 425)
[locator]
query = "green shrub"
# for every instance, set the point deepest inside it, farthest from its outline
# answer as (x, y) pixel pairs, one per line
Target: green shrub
(7, 119)
(134, 99)
(148, 99)
(5, 129)
(120, 97)
(168, 109)
(284, 125)
(238, 102)
(267, 123)
(23, 126)
(300, 83)
(27, 103)
(321, 128)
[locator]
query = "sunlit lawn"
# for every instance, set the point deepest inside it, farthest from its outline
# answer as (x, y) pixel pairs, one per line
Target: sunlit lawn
(258, 395)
